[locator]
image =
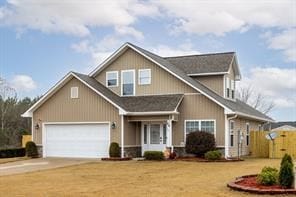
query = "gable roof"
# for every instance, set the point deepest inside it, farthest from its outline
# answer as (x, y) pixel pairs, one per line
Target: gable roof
(155, 104)
(275, 125)
(229, 106)
(203, 64)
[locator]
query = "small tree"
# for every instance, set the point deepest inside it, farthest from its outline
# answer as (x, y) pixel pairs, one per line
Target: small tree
(199, 143)
(114, 150)
(31, 149)
(286, 175)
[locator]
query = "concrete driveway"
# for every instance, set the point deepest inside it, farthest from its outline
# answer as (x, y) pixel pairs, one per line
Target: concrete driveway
(38, 164)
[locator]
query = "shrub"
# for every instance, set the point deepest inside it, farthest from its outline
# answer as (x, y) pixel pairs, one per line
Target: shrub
(173, 155)
(199, 143)
(268, 176)
(31, 149)
(13, 152)
(286, 175)
(154, 155)
(114, 150)
(213, 155)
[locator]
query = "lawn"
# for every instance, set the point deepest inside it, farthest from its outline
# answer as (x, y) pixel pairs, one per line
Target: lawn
(7, 160)
(134, 178)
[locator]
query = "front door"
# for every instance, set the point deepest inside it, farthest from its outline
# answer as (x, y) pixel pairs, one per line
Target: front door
(154, 137)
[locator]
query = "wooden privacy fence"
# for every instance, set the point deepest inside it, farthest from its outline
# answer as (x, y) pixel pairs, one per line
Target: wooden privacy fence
(285, 142)
(25, 139)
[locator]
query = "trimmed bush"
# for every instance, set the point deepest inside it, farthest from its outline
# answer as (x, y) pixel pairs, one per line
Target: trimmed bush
(268, 176)
(114, 150)
(199, 143)
(286, 175)
(173, 155)
(31, 149)
(13, 152)
(213, 155)
(154, 155)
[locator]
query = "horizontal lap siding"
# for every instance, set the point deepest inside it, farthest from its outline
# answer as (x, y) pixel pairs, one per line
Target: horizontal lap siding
(199, 107)
(89, 107)
(215, 83)
(162, 82)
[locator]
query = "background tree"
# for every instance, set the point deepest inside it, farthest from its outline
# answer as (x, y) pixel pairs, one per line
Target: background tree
(255, 99)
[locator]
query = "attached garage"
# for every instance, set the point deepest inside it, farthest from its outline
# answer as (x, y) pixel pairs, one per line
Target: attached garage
(81, 140)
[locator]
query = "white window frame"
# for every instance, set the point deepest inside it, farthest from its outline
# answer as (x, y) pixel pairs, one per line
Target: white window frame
(247, 134)
(231, 132)
(199, 125)
(134, 76)
(139, 76)
(111, 72)
(74, 90)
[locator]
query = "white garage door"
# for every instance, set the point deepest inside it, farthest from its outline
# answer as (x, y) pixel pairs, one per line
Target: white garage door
(76, 140)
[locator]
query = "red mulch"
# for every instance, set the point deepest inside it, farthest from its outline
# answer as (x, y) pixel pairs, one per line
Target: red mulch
(251, 182)
(116, 159)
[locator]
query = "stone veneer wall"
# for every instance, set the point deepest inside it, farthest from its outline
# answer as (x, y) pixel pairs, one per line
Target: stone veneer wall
(132, 151)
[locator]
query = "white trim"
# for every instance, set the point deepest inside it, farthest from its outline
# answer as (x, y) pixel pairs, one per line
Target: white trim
(151, 113)
(199, 125)
(111, 72)
(30, 111)
(121, 85)
(32, 128)
(253, 117)
(141, 70)
(74, 92)
(96, 71)
(67, 123)
(131, 146)
(122, 136)
(206, 74)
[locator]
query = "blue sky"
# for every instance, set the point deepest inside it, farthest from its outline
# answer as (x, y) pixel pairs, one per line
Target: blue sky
(40, 41)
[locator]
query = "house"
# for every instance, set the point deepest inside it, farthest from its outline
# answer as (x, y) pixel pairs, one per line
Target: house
(280, 126)
(144, 102)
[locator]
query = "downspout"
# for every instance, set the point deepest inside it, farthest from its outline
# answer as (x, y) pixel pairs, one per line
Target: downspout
(122, 136)
(227, 135)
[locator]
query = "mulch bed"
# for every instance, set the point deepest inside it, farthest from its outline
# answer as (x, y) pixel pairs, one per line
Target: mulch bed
(199, 159)
(116, 159)
(249, 184)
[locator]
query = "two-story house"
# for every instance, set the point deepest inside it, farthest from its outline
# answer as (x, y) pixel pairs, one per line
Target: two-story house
(144, 102)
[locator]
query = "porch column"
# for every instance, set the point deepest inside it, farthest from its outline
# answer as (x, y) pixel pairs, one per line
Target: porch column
(122, 135)
(170, 134)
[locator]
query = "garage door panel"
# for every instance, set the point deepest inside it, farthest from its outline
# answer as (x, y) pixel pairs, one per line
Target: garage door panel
(75, 140)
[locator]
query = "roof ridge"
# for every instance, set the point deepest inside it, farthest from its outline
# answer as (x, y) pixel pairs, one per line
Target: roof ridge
(204, 54)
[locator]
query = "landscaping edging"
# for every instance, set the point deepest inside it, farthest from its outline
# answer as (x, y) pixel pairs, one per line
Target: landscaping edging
(233, 185)
(116, 159)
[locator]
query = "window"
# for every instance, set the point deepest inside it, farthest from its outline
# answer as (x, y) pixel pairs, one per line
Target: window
(112, 79)
(248, 134)
(227, 87)
(259, 127)
(231, 133)
(164, 127)
(232, 89)
(128, 82)
(144, 77)
(200, 125)
(145, 134)
(74, 92)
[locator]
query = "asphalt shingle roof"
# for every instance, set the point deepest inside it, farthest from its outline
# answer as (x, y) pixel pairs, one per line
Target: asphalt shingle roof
(206, 63)
(153, 103)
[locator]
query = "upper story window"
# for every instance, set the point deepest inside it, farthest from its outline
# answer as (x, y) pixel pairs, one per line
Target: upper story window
(232, 89)
(200, 125)
(112, 79)
(144, 76)
(227, 87)
(74, 92)
(128, 82)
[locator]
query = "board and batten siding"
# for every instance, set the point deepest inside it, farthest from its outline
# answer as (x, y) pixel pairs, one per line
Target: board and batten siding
(162, 82)
(89, 107)
(198, 107)
(241, 124)
(214, 82)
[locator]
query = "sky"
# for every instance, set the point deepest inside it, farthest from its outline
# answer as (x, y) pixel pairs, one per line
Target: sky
(42, 40)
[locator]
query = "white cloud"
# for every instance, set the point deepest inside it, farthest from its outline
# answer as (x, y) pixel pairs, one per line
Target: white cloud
(285, 41)
(23, 83)
(166, 51)
(75, 17)
(216, 17)
(275, 84)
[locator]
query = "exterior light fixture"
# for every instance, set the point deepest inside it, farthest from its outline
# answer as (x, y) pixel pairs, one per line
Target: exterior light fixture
(113, 125)
(37, 126)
